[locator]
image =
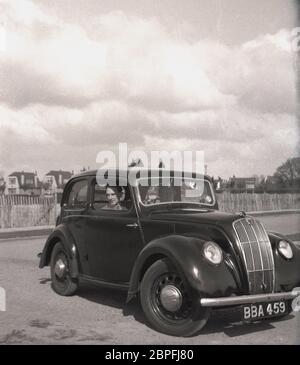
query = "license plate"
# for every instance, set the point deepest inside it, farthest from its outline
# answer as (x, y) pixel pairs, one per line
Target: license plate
(263, 310)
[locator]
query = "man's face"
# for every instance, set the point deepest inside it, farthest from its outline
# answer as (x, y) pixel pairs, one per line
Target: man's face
(112, 196)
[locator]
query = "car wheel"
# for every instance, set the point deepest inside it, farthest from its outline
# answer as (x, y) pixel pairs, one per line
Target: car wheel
(62, 283)
(168, 303)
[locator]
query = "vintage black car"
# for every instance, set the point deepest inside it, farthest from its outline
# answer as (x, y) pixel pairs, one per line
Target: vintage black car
(167, 242)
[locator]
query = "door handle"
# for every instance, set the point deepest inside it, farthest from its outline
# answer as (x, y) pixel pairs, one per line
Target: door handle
(132, 225)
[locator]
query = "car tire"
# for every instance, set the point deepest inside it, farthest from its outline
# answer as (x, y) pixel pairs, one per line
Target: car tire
(168, 303)
(62, 282)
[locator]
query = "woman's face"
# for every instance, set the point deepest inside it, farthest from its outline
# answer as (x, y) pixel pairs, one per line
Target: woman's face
(112, 196)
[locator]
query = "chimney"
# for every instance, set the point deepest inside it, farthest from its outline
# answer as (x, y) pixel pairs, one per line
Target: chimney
(22, 178)
(60, 179)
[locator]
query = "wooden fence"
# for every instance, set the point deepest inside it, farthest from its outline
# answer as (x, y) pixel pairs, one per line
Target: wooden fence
(249, 202)
(28, 211)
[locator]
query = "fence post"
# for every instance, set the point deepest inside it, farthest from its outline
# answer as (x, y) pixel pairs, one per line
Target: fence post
(2, 211)
(55, 206)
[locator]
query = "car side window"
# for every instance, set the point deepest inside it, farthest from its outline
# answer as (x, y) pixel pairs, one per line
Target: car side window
(78, 195)
(101, 200)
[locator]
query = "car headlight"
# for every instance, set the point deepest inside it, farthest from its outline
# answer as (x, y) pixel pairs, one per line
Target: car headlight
(285, 249)
(212, 252)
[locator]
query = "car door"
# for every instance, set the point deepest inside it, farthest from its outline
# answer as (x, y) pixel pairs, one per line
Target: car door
(74, 215)
(113, 237)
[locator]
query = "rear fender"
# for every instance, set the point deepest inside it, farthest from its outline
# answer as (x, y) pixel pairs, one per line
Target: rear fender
(63, 235)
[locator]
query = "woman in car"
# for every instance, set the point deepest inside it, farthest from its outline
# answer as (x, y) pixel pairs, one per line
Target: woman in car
(114, 195)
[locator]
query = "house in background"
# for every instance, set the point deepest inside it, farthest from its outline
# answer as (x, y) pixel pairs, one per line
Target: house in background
(55, 181)
(24, 183)
(272, 184)
(242, 184)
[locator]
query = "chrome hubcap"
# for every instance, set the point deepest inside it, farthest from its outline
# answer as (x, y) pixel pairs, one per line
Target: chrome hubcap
(60, 268)
(171, 298)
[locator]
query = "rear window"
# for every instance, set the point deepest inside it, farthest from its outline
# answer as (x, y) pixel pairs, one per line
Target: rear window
(78, 194)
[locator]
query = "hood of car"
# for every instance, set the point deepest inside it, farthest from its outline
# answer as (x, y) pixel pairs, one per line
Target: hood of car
(214, 217)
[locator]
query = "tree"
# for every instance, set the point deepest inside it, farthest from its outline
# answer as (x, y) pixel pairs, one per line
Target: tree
(2, 184)
(289, 172)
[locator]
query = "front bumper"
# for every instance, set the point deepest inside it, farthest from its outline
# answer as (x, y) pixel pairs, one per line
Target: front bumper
(248, 299)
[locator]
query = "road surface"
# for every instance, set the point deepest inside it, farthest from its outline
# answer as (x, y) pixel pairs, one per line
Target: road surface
(36, 315)
(283, 223)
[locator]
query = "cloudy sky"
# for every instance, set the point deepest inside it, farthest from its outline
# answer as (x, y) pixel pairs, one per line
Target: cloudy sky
(78, 77)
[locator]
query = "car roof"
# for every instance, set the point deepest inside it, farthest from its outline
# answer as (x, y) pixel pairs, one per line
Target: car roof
(123, 172)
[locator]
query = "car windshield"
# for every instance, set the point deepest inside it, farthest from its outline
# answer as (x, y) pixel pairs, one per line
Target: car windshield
(190, 191)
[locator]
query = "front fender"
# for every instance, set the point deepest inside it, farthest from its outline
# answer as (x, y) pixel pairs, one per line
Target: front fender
(186, 254)
(287, 272)
(63, 235)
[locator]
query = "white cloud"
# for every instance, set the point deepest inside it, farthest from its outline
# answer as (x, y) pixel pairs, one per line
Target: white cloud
(23, 12)
(126, 79)
(281, 40)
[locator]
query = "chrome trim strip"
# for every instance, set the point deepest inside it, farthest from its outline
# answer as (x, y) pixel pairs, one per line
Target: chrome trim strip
(260, 226)
(253, 262)
(259, 249)
(247, 299)
(260, 270)
(257, 228)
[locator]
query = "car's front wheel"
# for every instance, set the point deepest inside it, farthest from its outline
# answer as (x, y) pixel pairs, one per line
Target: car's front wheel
(168, 303)
(62, 282)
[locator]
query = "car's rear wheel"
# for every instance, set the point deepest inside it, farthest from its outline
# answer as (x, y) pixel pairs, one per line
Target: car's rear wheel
(62, 282)
(167, 302)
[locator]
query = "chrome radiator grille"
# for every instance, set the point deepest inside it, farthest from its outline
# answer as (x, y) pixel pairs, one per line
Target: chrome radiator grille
(257, 255)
